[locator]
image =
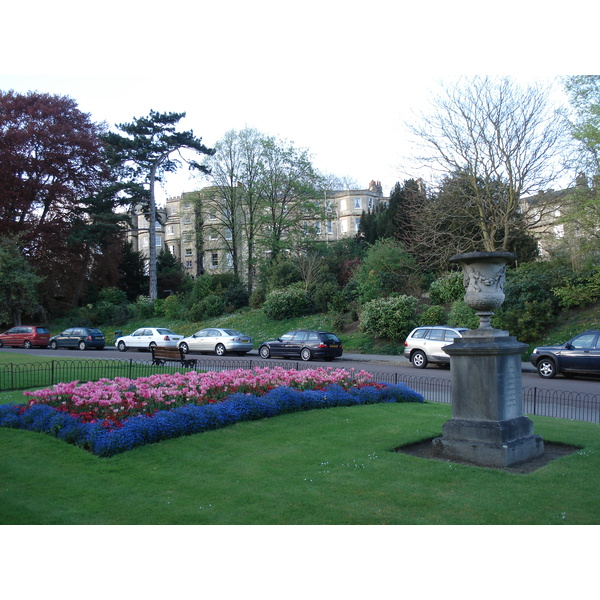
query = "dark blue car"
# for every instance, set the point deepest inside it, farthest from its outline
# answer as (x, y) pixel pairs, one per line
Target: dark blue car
(83, 338)
(579, 356)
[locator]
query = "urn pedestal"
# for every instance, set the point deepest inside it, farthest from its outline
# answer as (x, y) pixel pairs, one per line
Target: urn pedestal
(488, 427)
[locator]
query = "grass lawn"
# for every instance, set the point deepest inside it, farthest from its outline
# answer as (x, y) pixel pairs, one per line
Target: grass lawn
(333, 466)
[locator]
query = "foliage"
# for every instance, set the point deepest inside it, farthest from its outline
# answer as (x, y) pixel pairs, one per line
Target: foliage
(447, 288)
(392, 318)
(462, 315)
(109, 417)
(386, 269)
(18, 283)
(286, 303)
(56, 193)
(506, 142)
(582, 289)
(142, 157)
(433, 315)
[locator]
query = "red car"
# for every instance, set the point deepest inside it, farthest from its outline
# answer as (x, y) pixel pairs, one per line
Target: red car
(25, 336)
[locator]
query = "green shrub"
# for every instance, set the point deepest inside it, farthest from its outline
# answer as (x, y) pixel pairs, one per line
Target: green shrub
(462, 315)
(173, 307)
(323, 296)
(392, 318)
(113, 295)
(433, 315)
(236, 296)
(447, 288)
(144, 307)
(213, 306)
(582, 289)
(286, 303)
(527, 322)
(257, 298)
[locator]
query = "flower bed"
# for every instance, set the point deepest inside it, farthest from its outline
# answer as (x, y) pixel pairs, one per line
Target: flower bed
(112, 416)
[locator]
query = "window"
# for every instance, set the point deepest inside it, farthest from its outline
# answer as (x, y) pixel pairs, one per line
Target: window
(188, 252)
(343, 204)
(370, 203)
(170, 230)
(329, 227)
(318, 227)
(214, 260)
(212, 217)
(188, 264)
(344, 225)
(356, 223)
(357, 203)
(228, 235)
(158, 241)
(212, 235)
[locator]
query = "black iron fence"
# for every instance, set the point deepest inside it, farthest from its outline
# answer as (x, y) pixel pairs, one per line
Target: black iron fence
(536, 401)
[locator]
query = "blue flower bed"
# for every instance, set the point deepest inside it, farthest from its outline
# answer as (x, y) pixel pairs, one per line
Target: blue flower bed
(185, 420)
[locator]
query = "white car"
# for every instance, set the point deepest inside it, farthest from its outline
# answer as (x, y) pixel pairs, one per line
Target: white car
(219, 341)
(146, 337)
(426, 344)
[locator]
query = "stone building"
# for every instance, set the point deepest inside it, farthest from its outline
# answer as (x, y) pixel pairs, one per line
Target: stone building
(194, 232)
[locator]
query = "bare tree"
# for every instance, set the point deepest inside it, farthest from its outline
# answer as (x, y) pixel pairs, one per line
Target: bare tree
(498, 136)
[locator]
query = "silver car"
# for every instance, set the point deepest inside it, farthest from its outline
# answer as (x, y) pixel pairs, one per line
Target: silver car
(146, 337)
(426, 344)
(219, 341)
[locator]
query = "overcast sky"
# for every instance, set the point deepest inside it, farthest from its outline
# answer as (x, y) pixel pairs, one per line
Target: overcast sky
(338, 78)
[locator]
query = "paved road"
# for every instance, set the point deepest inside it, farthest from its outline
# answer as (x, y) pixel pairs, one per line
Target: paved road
(371, 362)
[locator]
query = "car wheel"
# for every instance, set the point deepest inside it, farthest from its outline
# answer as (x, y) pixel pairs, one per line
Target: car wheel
(546, 368)
(27, 344)
(305, 354)
(53, 345)
(81, 345)
(220, 350)
(121, 347)
(419, 360)
(264, 352)
(184, 347)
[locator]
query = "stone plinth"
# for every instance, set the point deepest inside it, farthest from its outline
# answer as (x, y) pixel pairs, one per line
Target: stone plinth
(488, 427)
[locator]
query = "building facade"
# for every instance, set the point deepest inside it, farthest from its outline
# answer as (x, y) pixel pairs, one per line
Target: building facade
(193, 231)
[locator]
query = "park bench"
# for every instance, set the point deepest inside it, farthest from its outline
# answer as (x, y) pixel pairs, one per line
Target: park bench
(161, 356)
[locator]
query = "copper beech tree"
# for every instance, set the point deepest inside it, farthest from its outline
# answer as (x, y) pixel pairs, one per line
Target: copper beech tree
(51, 165)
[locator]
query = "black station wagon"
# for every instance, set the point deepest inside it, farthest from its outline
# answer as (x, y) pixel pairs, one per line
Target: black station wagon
(307, 344)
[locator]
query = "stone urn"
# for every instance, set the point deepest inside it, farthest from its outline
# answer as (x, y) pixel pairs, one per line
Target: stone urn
(484, 274)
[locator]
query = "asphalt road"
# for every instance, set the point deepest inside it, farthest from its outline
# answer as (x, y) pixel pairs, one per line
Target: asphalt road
(373, 363)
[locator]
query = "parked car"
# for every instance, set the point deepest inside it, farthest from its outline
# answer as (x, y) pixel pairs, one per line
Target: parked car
(425, 345)
(579, 356)
(78, 337)
(307, 344)
(26, 336)
(219, 341)
(146, 337)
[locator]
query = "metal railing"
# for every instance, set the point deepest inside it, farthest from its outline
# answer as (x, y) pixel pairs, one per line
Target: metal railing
(552, 403)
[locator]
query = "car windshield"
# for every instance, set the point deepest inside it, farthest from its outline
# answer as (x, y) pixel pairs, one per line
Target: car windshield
(95, 331)
(232, 332)
(165, 332)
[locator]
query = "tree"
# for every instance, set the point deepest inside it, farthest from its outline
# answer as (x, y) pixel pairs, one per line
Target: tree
(501, 137)
(51, 164)
(289, 189)
(170, 273)
(235, 202)
(584, 95)
(132, 278)
(18, 282)
(143, 157)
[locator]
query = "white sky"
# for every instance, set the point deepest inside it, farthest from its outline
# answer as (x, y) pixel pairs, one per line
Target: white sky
(338, 78)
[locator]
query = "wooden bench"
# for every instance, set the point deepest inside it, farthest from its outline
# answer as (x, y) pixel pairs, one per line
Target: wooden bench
(161, 356)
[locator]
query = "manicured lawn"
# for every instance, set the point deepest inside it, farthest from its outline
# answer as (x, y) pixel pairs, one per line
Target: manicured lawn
(333, 466)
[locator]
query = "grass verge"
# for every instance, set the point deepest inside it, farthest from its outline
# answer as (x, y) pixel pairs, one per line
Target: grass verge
(333, 466)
